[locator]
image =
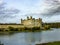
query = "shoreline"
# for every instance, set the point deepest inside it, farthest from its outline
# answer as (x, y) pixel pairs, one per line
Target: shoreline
(50, 43)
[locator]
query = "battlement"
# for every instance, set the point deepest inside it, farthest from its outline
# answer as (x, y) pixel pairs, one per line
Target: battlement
(30, 18)
(31, 22)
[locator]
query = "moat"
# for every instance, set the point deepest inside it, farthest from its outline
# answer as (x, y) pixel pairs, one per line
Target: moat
(30, 38)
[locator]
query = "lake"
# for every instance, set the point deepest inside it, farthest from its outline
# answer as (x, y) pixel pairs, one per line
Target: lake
(30, 38)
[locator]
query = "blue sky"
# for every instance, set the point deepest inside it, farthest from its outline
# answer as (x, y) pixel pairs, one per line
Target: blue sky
(48, 10)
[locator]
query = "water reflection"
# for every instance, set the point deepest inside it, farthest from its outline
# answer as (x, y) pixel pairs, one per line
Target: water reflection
(21, 38)
(30, 38)
(33, 37)
(50, 36)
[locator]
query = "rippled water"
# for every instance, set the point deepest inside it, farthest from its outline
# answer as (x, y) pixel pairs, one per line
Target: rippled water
(21, 38)
(49, 36)
(30, 38)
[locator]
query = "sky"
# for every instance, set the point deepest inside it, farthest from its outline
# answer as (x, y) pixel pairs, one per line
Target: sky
(11, 11)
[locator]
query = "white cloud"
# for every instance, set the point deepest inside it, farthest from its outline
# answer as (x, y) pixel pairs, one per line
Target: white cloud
(52, 19)
(50, 7)
(39, 8)
(1, 1)
(45, 7)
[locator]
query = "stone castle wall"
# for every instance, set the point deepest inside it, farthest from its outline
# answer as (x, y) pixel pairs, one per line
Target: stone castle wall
(11, 25)
(31, 22)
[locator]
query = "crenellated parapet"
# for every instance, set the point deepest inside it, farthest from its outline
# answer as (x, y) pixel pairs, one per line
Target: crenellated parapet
(32, 22)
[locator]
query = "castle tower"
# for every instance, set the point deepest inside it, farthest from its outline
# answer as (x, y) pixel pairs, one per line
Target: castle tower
(27, 18)
(40, 20)
(21, 21)
(30, 17)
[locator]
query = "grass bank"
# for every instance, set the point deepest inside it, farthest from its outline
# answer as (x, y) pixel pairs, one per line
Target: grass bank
(50, 43)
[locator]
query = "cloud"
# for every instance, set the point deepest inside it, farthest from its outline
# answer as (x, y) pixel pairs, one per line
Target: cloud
(37, 8)
(44, 8)
(7, 13)
(51, 7)
(1, 1)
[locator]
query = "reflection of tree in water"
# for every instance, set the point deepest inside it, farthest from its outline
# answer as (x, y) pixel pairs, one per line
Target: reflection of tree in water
(1, 43)
(33, 37)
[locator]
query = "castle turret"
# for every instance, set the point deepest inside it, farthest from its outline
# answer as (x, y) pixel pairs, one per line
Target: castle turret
(30, 17)
(21, 21)
(27, 18)
(40, 19)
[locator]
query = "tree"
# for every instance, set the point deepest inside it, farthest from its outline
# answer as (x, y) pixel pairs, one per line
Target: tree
(11, 28)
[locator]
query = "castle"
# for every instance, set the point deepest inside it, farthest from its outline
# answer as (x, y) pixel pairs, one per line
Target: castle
(29, 23)
(32, 22)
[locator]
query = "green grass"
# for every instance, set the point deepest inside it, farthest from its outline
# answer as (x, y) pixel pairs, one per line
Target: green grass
(50, 43)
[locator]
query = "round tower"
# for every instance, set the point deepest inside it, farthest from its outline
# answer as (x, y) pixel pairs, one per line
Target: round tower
(21, 21)
(30, 17)
(27, 18)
